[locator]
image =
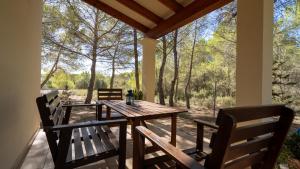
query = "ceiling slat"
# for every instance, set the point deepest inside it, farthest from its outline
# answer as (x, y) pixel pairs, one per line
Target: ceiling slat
(141, 10)
(172, 4)
(113, 12)
(188, 14)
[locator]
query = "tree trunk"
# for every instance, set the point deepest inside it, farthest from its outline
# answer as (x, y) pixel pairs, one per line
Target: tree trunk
(112, 73)
(94, 60)
(215, 98)
(171, 96)
(177, 81)
(53, 69)
(187, 89)
(161, 73)
(136, 60)
(113, 65)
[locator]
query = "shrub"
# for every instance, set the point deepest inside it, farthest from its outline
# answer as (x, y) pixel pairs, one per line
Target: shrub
(293, 144)
(284, 156)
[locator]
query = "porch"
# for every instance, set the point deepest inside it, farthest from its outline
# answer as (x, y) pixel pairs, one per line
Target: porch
(20, 64)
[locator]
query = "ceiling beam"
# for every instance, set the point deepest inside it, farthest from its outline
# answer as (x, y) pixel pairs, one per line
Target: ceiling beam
(172, 4)
(188, 14)
(118, 15)
(141, 10)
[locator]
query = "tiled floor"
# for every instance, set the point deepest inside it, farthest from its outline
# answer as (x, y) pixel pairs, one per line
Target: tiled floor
(39, 156)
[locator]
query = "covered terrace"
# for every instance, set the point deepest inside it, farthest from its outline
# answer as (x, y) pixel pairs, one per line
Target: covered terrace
(20, 51)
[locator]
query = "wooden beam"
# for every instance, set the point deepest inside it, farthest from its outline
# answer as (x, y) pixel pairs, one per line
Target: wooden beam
(141, 10)
(172, 4)
(188, 14)
(118, 15)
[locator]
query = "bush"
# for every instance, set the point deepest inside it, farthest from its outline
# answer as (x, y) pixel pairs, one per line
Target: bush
(293, 144)
(225, 101)
(284, 156)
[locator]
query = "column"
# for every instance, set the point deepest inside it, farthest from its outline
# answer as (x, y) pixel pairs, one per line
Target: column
(254, 52)
(20, 72)
(148, 68)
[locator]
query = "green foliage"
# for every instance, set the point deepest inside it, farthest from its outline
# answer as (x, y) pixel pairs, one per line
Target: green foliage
(62, 80)
(284, 156)
(82, 80)
(293, 144)
(100, 84)
(138, 95)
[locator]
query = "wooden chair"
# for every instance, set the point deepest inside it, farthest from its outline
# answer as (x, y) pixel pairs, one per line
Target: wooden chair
(109, 94)
(245, 137)
(66, 140)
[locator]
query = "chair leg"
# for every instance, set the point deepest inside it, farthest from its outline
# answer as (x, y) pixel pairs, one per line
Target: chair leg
(199, 141)
(122, 146)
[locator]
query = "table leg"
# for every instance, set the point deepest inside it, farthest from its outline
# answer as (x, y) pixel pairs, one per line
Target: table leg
(135, 162)
(108, 112)
(99, 111)
(173, 129)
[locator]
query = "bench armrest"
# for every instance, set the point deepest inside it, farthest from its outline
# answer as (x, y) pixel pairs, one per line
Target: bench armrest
(78, 105)
(86, 124)
(205, 123)
(176, 154)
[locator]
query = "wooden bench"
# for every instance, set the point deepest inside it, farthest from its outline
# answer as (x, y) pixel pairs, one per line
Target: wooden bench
(109, 94)
(245, 137)
(66, 141)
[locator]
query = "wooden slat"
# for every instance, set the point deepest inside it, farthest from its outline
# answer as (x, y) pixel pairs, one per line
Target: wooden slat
(248, 147)
(87, 142)
(77, 144)
(176, 154)
(253, 113)
(113, 139)
(54, 104)
(56, 115)
(105, 94)
(141, 10)
(104, 139)
(247, 161)
(186, 15)
(50, 96)
(110, 90)
(110, 97)
(152, 161)
(113, 12)
(142, 108)
(98, 145)
(69, 156)
(172, 4)
(114, 105)
(133, 110)
(60, 115)
(251, 131)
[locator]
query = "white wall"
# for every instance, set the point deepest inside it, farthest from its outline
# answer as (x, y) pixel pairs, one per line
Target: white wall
(20, 37)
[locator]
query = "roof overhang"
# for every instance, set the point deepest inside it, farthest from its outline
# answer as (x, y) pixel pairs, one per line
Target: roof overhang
(156, 18)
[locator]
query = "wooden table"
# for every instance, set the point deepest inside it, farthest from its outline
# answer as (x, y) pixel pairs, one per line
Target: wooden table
(139, 112)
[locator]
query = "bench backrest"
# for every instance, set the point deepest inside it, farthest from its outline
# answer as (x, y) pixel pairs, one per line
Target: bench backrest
(110, 94)
(50, 109)
(52, 113)
(249, 136)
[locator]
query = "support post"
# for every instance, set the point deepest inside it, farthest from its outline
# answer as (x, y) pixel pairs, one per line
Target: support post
(148, 68)
(254, 52)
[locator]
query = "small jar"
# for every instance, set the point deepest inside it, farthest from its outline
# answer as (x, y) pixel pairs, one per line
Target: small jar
(128, 99)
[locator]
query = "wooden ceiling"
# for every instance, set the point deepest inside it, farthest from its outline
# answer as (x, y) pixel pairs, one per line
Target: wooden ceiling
(156, 18)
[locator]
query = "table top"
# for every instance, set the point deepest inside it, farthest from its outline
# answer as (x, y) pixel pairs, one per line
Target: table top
(140, 108)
